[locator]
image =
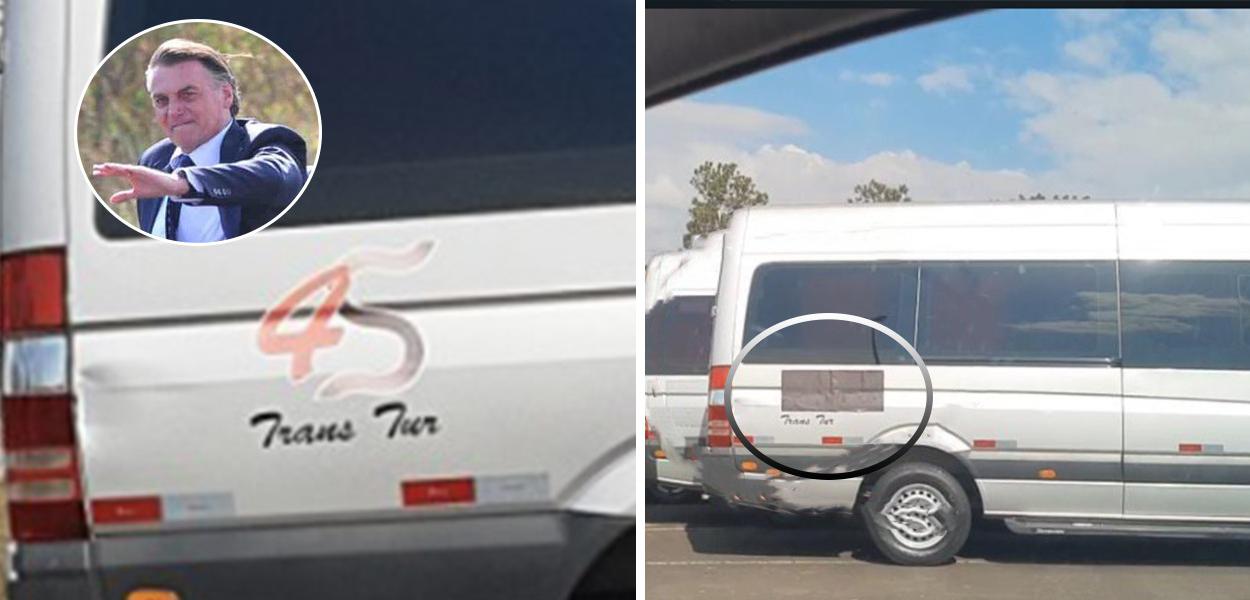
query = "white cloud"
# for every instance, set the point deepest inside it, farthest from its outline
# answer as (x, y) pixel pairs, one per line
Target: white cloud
(1098, 50)
(686, 117)
(792, 174)
(795, 175)
(1179, 132)
(946, 79)
(878, 78)
(684, 133)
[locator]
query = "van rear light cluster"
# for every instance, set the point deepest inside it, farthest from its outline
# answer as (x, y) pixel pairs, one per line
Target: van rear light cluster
(649, 434)
(41, 448)
(719, 435)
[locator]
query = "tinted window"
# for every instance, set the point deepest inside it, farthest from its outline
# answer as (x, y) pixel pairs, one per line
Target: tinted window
(990, 311)
(1188, 315)
(679, 336)
(433, 108)
(1243, 287)
(885, 293)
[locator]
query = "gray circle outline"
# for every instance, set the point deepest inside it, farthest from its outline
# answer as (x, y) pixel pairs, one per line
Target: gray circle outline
(755, 341)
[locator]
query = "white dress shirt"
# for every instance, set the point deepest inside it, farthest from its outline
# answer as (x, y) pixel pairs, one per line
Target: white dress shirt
(196, 223)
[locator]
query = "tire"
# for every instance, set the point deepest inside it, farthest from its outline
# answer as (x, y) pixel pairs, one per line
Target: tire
(660, 493)
(931, 515)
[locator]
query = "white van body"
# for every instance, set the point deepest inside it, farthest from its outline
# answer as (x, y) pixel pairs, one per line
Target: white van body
(504, 463)
(681, 287)
(1121, 406)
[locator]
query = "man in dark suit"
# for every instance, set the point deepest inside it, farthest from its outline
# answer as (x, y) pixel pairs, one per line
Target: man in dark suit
(215, 176)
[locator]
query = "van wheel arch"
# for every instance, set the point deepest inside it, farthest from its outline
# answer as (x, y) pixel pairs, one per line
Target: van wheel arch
(952, 464)
(611, 574)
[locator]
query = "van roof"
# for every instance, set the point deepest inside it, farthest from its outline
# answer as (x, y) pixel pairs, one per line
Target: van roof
(692, 272)
(1035, 226)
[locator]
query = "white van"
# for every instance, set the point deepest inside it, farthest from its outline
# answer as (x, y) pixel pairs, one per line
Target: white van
(1090, 364)
(464, 423)
(681, 287)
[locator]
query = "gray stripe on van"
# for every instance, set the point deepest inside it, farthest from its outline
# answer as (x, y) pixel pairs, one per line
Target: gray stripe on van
(255, 315)
(1176, 473)
(1187, 473)
(1064, 470)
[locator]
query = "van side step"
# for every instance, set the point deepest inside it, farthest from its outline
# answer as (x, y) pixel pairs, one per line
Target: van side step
(1179, 529)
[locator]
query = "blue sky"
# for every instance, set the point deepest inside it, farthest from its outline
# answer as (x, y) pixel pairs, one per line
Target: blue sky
(1112, 104)
(849, 117)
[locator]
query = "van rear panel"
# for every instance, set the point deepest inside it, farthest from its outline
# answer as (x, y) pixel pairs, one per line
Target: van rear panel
(408, 383)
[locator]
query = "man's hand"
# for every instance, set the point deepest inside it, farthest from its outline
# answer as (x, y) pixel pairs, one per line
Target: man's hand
(144, 182)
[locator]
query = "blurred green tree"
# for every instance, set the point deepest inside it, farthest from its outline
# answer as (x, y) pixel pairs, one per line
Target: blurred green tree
(721, 190)
(875, 191)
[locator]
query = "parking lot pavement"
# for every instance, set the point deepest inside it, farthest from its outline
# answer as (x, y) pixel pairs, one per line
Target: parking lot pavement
(701, 551)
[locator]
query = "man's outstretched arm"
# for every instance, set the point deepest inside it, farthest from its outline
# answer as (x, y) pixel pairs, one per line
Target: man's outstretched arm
(270, 176)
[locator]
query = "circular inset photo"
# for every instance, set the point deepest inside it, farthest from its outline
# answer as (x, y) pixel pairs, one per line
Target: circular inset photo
(198, 132)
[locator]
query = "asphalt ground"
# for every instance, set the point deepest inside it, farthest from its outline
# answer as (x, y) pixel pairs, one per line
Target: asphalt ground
(699, 550)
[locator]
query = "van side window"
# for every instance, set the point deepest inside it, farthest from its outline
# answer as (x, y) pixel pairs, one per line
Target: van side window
(993, 311)
(1186, 314)
(884, 292)
(679, 336)
(1243, 289)
(436, 108)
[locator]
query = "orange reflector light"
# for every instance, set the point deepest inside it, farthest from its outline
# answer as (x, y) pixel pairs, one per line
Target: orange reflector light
(835, 440)
(152, 595)
(659, 454)
(1047, 474)
(772, 472)
(1191, 448)
(749, 465)
(984, 443)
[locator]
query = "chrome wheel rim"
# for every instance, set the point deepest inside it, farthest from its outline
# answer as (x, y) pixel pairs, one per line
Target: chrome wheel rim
(914, 516)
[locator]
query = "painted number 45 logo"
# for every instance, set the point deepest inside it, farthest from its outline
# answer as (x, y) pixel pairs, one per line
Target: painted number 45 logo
(278, 333)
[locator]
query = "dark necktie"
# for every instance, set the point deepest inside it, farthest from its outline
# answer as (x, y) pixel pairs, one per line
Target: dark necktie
(172, 208)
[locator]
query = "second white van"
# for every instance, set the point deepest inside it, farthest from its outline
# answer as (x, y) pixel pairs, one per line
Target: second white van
(681, 287)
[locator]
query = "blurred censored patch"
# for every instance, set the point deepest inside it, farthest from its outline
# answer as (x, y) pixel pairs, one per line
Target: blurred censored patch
(829, 391)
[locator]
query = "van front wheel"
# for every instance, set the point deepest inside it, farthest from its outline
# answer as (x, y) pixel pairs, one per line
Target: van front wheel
(917, 514)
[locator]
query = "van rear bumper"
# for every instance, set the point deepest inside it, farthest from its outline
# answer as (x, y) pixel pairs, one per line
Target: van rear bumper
(535, 555)
(722, 478)
(681, 472)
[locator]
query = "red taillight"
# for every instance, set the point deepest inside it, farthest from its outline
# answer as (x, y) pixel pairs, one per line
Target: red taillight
(33, 291)
(34, 421)
(41, 449)
(719, 435)
(649, 434)
(716, 378)
(47, 521)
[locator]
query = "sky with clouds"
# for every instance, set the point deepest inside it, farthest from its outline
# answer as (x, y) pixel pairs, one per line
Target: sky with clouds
(1110, 104)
